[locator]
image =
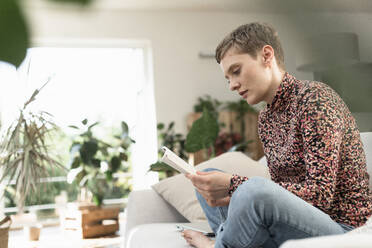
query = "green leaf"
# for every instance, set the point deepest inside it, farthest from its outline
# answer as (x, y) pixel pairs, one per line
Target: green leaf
(115, 164)
(160, 126)
(75, 163)
(88, 150)
(203, 132)
(109, 176)
(96, 163)
(171, 125)
(14, 33)
(72, 126)
(76, 174)
(160, 166)
(123, 156)
(85, 121)
(94, 124)
(98, 199)
(124, 127)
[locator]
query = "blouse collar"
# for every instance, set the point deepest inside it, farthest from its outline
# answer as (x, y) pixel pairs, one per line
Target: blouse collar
(283, 93)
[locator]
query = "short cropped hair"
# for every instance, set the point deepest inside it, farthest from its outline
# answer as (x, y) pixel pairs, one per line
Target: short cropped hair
(250, 38)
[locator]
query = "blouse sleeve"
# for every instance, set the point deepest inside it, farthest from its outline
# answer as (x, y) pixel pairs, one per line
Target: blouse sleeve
(235, 181)
(322, 127)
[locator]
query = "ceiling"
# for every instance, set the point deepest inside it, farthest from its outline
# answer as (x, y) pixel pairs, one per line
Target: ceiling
(260, 6)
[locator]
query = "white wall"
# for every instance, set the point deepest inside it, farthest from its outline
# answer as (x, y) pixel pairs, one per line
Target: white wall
(180, 76)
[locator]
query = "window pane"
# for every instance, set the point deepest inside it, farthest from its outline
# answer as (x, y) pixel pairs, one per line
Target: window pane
(101, 84)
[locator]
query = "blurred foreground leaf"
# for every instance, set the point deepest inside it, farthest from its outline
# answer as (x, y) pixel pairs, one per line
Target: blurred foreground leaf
(82, 2)
(14, 39)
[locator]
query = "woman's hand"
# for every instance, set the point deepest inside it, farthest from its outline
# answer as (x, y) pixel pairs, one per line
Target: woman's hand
(213, 186)
(220, 202)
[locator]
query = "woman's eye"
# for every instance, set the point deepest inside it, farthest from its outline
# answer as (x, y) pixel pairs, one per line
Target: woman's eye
(236, 72)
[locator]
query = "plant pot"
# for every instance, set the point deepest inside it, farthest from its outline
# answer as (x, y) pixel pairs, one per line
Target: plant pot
(32, 232)
(4, 231)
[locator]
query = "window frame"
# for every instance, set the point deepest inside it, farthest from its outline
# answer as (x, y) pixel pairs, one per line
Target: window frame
(145, 45)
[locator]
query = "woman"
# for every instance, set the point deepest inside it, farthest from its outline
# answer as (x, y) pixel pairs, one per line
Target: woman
(312, 144)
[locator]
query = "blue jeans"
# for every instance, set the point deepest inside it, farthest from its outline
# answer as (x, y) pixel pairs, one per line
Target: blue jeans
(263, 214)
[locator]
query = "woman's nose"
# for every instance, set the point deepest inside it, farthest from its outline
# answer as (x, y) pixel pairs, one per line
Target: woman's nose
(234, 85)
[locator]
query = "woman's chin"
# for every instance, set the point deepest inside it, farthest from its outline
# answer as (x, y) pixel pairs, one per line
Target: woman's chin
(251, 101)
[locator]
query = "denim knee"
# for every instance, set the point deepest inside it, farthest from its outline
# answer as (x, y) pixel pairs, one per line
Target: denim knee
(254, 188)
(257, 192)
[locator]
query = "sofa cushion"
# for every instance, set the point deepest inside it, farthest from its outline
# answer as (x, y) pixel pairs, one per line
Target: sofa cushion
(139, 212)
(180, 193)
(157, 235)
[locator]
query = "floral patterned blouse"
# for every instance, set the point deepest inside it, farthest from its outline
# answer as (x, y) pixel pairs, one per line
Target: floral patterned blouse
(313, 149)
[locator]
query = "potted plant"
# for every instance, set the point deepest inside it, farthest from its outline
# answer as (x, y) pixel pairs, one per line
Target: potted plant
(175, 142)
(25, 155)
(94, 161)
(205, 139)
(203, 135)
(207, 102)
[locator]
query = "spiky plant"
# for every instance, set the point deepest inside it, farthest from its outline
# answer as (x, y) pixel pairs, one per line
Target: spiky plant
(24, 155)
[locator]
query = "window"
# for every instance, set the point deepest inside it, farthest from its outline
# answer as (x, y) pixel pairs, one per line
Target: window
(106, 82)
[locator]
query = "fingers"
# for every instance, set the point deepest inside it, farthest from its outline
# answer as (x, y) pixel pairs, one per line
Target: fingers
(218, 202)
(211, 184)
(204, 172)
(198, 181)
(186, 237)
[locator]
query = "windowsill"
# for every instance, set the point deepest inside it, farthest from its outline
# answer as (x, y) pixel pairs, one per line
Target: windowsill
(45, 223)
(29, 219)
(52, 235)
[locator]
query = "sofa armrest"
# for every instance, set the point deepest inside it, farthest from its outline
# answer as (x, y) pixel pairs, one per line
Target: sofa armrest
(332, 241)
(147, 206)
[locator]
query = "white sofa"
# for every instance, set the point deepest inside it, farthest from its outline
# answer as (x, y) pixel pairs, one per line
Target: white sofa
(151, 221)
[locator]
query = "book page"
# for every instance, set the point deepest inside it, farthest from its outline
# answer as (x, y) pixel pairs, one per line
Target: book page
(171, 159)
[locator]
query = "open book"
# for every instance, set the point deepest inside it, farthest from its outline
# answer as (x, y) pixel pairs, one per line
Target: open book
(171, 159)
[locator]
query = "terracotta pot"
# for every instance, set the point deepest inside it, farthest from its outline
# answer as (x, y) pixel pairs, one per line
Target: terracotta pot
(32, 232)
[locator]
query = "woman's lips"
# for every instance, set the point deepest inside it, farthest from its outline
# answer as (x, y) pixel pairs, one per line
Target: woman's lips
(243, 93)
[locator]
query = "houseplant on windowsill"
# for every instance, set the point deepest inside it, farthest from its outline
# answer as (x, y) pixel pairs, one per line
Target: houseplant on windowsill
(25, 155)
(94, 161)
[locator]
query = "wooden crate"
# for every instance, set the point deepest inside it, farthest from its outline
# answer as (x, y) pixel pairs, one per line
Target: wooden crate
(90, 222)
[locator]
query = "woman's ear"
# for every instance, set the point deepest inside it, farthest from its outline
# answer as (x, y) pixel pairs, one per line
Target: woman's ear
(267, 54)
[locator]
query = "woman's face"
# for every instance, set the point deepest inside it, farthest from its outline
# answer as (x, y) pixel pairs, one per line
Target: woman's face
(249, 76)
